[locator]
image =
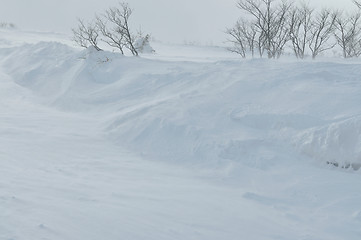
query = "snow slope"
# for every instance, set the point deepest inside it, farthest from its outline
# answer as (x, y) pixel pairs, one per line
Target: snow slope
(197, 145)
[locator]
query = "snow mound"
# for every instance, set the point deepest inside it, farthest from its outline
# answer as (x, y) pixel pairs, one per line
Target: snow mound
(96, 145)
(209, 114)
(338, 143)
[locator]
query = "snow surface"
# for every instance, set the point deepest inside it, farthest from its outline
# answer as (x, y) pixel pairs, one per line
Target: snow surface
(187, 143)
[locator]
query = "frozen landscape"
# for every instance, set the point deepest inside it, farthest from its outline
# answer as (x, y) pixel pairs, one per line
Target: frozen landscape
(188, 143)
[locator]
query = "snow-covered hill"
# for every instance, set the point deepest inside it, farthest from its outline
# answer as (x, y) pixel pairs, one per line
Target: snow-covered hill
(188, 143)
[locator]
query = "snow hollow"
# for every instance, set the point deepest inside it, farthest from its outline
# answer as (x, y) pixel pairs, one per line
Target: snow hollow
(187, 143)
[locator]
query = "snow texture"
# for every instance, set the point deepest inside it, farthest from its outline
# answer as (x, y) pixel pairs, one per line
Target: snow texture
(186, 143)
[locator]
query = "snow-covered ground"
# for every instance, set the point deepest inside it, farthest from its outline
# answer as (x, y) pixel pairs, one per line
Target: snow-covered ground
(189, 143)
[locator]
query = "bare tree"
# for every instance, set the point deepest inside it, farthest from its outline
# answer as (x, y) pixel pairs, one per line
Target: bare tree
(238, 38)
(113, 28)
(275, 22)
(244, 37)
(347, 34)
(281, 29)
(271, 24)
(86, 35)
(322, 28)
(119, 17)
(113, 37)
(300, 26)
(251, 35)
(254, 8)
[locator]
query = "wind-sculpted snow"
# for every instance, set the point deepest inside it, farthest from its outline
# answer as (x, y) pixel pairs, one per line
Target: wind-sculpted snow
(195, 113)
(338, 143)
(96, 145)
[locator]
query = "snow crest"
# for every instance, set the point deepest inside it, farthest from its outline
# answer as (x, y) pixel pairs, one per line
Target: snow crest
(202, 113)
(95, 145)
(338, 143)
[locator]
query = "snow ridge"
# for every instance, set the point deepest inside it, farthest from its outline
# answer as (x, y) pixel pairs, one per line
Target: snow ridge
(198, 111)
(101, 146)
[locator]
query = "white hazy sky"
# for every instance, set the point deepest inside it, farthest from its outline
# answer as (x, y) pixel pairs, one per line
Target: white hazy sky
(176, 21)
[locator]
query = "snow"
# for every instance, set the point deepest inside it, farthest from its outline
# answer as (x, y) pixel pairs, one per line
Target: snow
(187, 143)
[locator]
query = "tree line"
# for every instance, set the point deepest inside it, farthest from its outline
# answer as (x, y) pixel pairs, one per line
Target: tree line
(268, 27)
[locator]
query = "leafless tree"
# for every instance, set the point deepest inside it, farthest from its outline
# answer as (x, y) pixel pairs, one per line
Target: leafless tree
(243, 36)
(113, 37)
(322, 28)
(300, 26)
(251, 36)
(119, 17)
(270, 22)
(238, 38)
(86, 35)
(112, 27)
(347, 34)
(281, 30)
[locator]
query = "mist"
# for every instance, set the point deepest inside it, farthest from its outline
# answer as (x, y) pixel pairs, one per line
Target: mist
(173, 21)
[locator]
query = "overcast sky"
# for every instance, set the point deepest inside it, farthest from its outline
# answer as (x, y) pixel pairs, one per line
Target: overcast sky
(175, 21)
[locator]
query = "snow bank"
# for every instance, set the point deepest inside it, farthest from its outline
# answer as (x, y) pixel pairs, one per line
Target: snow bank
(338, 143)
(88, 137)
(203, 113)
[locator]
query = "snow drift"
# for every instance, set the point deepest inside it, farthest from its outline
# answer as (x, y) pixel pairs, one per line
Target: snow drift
(203, 113)
(96, 145)
(337, 143)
